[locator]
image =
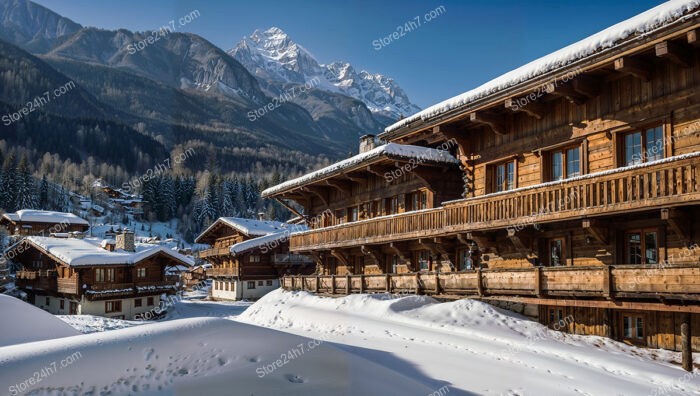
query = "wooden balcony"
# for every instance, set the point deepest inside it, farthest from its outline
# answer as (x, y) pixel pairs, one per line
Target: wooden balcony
(221, 272)
(68, 285)
(291, 259)
(214, 252)
(658, 185)
(602, 286)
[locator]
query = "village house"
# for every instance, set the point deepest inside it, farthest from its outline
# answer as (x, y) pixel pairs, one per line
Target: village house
(112, 278)
(248, 257)
(42, 222)
(567, 189)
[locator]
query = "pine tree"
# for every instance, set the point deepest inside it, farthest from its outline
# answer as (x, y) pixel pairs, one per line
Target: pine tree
(227, 207)
(8, 190)
(26, 191)
(44, 194)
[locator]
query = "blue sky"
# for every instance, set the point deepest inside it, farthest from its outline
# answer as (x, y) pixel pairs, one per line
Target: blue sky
(467, 45)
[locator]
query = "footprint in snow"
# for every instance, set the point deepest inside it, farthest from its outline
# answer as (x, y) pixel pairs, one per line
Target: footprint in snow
(295, 379)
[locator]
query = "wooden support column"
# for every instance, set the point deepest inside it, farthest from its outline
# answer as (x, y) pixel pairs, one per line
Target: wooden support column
(362, 283)
(479, 283)
(608, 282)
(437, 283)
(388, 283)
(686, 343)
(332, 284)
(538, 281)
(418, 282)
(317, 284)
(347, 285)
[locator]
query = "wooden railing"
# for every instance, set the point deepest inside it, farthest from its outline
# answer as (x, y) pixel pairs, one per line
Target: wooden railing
(68, 285)
(211, 272)
(649, 186)
(282, 259)
(213, 252)
(604, 282)
(31, 275)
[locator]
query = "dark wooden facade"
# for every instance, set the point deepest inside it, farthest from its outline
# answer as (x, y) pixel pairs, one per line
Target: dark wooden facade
(581, 190)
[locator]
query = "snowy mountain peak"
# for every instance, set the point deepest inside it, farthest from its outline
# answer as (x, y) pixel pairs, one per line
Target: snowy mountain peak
(273, 56)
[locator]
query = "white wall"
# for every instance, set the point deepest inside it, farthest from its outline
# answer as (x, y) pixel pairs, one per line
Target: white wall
(239, 289)
(97, 308)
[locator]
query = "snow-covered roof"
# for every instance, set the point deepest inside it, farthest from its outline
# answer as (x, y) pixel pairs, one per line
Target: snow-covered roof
(605, 40)
(88, 252)
(391, 150)
(271, 240)
(44, 216)
(248, 227)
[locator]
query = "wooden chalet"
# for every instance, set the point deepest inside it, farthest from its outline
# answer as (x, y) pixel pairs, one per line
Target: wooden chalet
(118, 279)
(577, 192)
(249, 256)
(41, 222)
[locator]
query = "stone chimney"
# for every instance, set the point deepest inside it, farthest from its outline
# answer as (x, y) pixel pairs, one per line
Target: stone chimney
(367, 143)
(126, 241)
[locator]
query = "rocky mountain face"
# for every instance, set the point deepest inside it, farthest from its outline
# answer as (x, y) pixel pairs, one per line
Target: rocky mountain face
(274, 58)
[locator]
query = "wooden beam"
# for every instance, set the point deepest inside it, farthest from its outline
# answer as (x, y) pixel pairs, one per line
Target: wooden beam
(342, 187)
(520, 247)
(674, 52)
(355, 179)
(497, 124)
(693, 38)
(626, 305)
(524, 105)
(597, 229)
(375, 254)
(290, 208)
(322, 195)
(341, 258)
(567, 91)
(679, 223)
(483, 241)
(634, 67)
(397, 251)
(587, 86)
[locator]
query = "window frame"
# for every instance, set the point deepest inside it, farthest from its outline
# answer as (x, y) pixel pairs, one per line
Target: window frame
(644, 149)
(642, 244)
(251, 283)
(565, 153)
(112, 306)
(631, 332)
(493, 175)
(563, 258)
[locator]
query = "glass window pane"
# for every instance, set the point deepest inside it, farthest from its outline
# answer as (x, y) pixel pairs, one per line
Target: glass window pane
(557, 166)
(627, 326)
(640, 328)
(633, 148)
(556, 248)
(634, 248)
(511, 176)
(655, 144)
(500, 177)
(651, 248)
(573, 162)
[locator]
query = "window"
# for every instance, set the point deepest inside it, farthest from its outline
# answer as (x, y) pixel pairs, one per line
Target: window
(104, 274)
(113, 306)
(642, 247)
(62, 304)
(556, 316)
(251, 284)
(138, 302)
(465, 260)
(394, 264)
(254, 258)
(140, 272)
(260, 283)
(650, 140)
(424, 260)
(557, 249)
(353, 214)
(564, 163)
(633, 327)
(149, 301)
(503, 176)
(268, 283)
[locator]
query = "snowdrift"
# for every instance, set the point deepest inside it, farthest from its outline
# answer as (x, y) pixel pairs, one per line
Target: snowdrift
(22, 322)
(199, 356)
(474, 347)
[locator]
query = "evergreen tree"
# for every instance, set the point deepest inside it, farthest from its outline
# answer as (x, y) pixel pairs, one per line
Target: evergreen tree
(44, 194)
(26, 192)
(8, 190)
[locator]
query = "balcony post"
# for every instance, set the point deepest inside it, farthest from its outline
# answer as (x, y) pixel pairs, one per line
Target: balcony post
(479, 284)
(332, 284)
(686, 343)
(418, 281)
(317, 284)
(347, 284)
(362, 283)
(388, 283)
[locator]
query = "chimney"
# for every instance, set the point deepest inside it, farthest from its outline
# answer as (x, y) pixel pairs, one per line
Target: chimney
(367, 143)
(126, 241)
